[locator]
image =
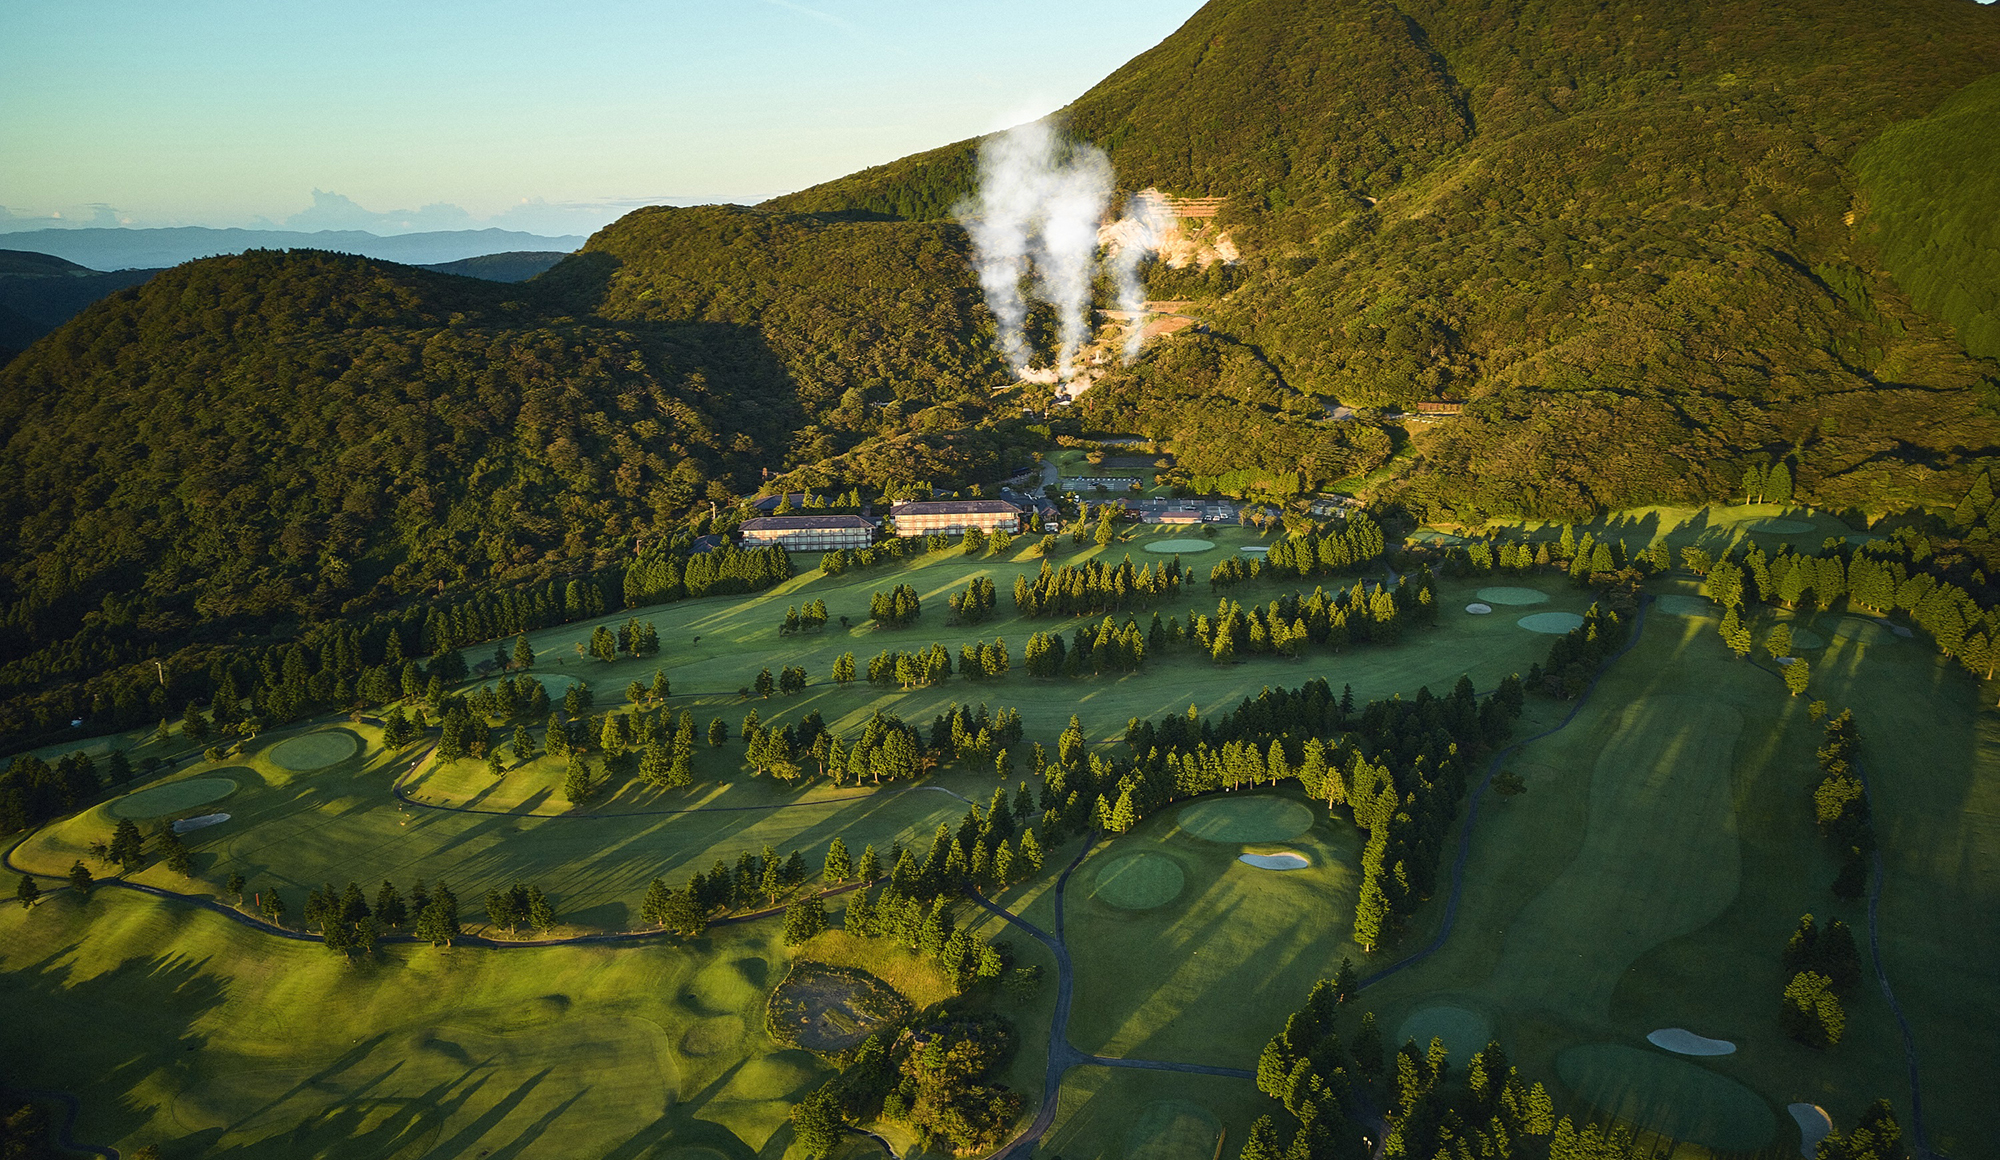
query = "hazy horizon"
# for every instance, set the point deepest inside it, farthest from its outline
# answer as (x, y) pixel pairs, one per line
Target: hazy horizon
(390, 120)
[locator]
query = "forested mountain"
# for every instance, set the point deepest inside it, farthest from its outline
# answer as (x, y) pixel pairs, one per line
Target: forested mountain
(39, 292)
(1649, 246)
(1634, 237)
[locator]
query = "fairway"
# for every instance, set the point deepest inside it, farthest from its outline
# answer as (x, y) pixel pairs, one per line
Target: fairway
(171, 798)
(1139, 881)
(1259, 818)
(1503, 594)
(315, 750)
(1781, 527)
(1174, 1130)
(1670, 1096)
(1659, 858)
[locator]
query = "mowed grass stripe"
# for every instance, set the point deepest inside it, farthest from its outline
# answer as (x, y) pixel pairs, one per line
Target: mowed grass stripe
(1659, 858)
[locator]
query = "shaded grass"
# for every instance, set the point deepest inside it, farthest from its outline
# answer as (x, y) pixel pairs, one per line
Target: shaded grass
(182, 1028)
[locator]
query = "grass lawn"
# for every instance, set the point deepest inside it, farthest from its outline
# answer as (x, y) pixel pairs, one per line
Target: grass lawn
(1121, 1114)
(1715, 527)
(183, 1028)
(1210, 975)
(1665, 849)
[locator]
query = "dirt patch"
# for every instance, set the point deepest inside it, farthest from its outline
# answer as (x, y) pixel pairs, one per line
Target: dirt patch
(827, 1009)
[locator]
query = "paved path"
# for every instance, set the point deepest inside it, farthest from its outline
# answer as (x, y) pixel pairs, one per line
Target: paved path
(1063, 1055)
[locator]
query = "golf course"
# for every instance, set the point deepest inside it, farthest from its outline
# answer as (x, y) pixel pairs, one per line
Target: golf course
(1643, 879)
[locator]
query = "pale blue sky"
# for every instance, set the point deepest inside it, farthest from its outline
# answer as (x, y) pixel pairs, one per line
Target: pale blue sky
(223, 112)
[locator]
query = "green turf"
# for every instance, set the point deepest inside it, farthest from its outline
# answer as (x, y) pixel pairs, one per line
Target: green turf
(1180, 547)
(1139, 881)
(210, 1039)
(1678, 604)
(171, 798)
(1210, 978)
(1174, 1130)
(1249, 818)
(1550, 623)
(315, 750)
(1464, 1032)
(1670, 1096)
(1781, 527)
(1505, 594)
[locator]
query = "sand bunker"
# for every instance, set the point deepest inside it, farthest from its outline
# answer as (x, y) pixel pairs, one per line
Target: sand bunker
(1505, 595)
(1171, 547)
(1814, 1125)
(1463, 1032)
(172, 798)
(1238, 820)
(315, 750)
(1479, 609)
(1678, 605)
(1139, 882)
(1276, 861)
(200, 823)
(1551, 623)
(1900, 630)
(1254, 549)
(1684, 1042)
(1781, 527)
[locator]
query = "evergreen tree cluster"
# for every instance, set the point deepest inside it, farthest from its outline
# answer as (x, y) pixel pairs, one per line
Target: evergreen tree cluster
(32, 791)
(522, 904)
(1840, 805)
(897, 608)
(812, 620)
(1335, 547)
(1094, 588)
(975, 735)
(1876, 1136)
(755, 883)
(1576, 655)
(1399, 767)
(1106, 647)
(841, 559)
(974, 604)
(1820, 965)
(1328, 1071)
(724, 570)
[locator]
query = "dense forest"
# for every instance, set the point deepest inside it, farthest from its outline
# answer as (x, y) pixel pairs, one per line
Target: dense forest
(1648, 248)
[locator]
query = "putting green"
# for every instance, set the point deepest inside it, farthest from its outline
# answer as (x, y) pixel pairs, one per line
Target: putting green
(1247, 819)
(1807, 638)
(1173, 1130)
(1678, 605)
(1139, 882)
(1551, 623)
(1506, 595)
(315, 750)
(1464, 1032)
(1170, 547)
(172, 798)
(1781, 527)
(1670, 1096)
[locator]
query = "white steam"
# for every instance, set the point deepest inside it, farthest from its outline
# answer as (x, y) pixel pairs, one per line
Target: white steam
(1038, 198)
(1145, 225)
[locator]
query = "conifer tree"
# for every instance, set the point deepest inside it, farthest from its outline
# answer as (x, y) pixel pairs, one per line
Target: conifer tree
(27, 891)
(870, 866)
(838, 868)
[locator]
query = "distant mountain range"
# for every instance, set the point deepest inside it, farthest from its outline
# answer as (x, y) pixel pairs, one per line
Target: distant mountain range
(39, 292)
(121, 249)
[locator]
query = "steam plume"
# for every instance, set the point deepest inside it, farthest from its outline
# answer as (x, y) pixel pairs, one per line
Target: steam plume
(1043, 199)
(1137, 234)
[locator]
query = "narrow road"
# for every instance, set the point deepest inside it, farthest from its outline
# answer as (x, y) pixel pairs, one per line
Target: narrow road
(1064, 1055)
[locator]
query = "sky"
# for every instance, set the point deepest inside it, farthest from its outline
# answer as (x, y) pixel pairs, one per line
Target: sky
(546, 117)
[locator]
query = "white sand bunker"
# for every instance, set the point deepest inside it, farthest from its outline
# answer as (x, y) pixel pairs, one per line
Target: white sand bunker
(1479, 609)
(1276, 861)
(1255, 549)
(1506, 595)
(1684, 1042)
(1678, 605)
(202, 822)
(1900, 629)
(1814, 1125)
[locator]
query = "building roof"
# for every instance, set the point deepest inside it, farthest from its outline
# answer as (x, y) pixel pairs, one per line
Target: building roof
(955, 507)
(804, 523)
(769, 502)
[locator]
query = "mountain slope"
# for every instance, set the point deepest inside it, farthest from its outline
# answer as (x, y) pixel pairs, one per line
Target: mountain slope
(1608, 222)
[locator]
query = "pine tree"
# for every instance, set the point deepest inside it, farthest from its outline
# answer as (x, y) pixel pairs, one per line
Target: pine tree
(1797, 674)
(839, 868)
(541, 914)
(870, 867)
(27, 891)
(524, 654)
(1123, 816)
(1370, 911)
(1778, 484)
(804, 920)
(653, 908)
